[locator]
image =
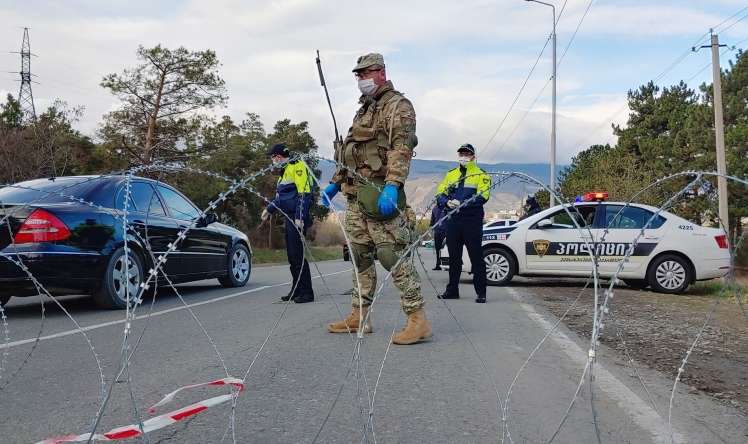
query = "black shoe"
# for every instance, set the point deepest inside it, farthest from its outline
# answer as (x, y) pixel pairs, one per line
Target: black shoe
(437, 268)
(303, 299)
(481, 299)
(446, 295)
(287, 297)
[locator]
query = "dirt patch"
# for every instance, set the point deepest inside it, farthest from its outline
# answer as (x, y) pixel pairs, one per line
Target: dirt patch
(658, 329)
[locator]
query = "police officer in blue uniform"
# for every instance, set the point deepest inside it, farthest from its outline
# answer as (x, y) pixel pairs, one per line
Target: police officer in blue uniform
(440, 232)
(465, 227)
(293, 197)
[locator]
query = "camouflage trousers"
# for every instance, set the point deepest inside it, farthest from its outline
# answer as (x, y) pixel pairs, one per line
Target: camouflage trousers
(387, 239)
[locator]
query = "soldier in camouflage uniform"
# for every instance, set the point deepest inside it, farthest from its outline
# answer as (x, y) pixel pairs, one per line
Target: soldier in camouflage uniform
(378, 147)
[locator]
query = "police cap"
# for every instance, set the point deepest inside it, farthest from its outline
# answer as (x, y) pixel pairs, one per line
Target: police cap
(279, 149)
(466, 148)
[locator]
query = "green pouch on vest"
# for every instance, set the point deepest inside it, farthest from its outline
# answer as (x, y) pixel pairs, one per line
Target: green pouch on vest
(368, 198)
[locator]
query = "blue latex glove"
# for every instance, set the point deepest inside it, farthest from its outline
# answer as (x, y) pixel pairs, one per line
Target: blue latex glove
(329, 193)
(387, 202)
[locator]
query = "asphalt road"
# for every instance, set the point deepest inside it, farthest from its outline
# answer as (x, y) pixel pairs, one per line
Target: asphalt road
(438, 392)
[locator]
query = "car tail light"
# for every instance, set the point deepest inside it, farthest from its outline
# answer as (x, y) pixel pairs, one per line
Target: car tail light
(721, 240)
(41, 226)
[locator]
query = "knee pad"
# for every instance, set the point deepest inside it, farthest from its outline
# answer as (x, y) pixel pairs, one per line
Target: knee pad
(387, 256)
(363, 255)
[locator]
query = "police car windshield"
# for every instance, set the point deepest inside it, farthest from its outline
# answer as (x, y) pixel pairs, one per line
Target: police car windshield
(583, 214)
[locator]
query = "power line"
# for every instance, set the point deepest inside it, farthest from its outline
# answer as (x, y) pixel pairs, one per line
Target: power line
(705, 67)
(537, 97)
(563, 7)
(524, 83)
(516, 97)
(571, 40)
(728, 19)
(672, 66)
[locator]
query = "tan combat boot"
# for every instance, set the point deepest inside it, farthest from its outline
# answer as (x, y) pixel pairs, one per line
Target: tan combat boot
(351, 322)
(417, 329)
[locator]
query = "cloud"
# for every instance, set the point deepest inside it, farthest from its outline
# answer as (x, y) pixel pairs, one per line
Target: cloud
(461, 63)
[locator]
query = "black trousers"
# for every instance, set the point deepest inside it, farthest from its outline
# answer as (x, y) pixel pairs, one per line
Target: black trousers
(298, 264)
(468, 232)
(439, 237)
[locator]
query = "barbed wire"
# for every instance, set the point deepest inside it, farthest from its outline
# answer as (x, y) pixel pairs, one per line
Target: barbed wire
(130, 344)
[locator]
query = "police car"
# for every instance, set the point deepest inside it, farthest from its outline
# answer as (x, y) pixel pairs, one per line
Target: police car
(671, 255)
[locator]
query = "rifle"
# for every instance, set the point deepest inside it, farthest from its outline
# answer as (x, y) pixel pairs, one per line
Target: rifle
(338, 140)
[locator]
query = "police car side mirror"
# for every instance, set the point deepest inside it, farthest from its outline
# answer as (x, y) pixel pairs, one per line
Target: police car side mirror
(545, 223)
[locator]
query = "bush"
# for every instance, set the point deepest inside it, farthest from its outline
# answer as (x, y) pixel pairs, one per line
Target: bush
(327, 232)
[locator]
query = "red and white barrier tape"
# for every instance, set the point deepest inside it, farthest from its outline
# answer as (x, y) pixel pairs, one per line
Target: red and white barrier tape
(157, 422)
(235, 382)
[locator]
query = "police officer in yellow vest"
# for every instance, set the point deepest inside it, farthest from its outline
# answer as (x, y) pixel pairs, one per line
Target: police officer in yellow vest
(466, 183)
(293, 197)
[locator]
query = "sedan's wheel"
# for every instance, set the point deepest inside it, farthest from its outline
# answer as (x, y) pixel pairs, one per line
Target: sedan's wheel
(670, 274)
(4, 300)
(239, 267)
(499, 266)
(121, 280)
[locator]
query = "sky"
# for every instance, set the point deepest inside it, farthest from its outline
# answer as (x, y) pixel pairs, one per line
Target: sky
(460, 63)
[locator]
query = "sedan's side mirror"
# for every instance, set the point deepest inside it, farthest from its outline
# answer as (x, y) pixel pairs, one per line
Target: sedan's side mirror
(208, 219)
(545, 223)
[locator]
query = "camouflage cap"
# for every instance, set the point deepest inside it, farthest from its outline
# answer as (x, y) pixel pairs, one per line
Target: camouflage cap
(368, 60)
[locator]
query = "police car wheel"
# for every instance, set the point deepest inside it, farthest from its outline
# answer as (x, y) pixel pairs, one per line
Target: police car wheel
(499, 266)
(669, 274)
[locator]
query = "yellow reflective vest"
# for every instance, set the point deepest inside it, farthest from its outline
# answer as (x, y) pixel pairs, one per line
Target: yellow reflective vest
(462, 183)
(293, 193)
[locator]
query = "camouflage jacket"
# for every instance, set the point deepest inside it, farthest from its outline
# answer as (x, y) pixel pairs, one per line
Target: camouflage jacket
(380, 142)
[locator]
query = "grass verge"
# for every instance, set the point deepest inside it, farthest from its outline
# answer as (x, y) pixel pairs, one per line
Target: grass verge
(717, 287)
(267, 256)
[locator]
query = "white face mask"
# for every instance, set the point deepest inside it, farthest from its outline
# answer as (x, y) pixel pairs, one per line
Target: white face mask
(464, 160)
(367, 86)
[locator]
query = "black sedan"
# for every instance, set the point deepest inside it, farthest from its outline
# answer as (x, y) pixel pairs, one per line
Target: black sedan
(74, 247)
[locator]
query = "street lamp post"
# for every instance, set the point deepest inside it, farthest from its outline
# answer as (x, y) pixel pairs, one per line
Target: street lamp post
(553, 113)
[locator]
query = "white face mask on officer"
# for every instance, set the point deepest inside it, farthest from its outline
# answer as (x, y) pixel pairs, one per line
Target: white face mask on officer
(278, 161)
(463, 160)
(367, 86)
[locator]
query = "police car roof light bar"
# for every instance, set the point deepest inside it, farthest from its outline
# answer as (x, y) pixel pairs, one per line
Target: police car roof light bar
(597, 196)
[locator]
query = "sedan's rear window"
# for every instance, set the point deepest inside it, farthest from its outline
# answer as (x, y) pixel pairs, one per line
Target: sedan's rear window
(46, 190)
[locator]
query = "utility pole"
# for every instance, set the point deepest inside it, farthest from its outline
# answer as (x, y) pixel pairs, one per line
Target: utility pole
(719, 133)
(553, 113)
(25, 96)
(553, 116)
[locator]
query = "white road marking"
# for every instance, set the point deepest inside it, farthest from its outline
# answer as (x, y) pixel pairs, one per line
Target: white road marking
(154, 314)
(640, 412)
